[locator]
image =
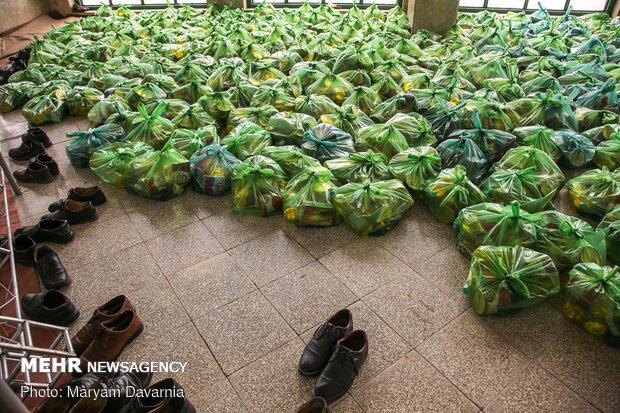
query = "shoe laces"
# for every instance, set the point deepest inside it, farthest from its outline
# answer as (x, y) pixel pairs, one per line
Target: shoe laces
(111, 383)
(320, 332)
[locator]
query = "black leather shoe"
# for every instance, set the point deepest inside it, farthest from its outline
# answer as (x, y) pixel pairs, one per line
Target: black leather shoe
(321, 346)
(343, 367)
(23, 250)
(49, 268)
(37, 135)
(117, 387)
(48, 230)
(74, 212)
(92, 194)
(27, 150)
(36, 173)
(154, 404)
(315, 405)
(67, 394)
(45, 159)
(52, 307)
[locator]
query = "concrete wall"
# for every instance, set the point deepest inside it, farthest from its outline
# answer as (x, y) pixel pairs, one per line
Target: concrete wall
(433, 15)
(14, 13)
(616, 10)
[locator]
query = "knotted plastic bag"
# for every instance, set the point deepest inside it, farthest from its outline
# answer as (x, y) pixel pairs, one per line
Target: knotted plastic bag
(360, 166)
(503, 280)
(382, 137)
(326, 141)
(15, 95)
(45, 109)
(85, 143)
(524, 157)
(414, 127)
(372, 208)
(611, 225)
(539, 137)
(532, 189)
(416, 167)
(307, 198)
(111, 163)
(188, 141)
(548, 109)
(145, 93)
(607, 153)
(212, 169)
(289, 127)
(257, 187)
(152, 129)
(349, 118)
(464, 151)
(596, 191)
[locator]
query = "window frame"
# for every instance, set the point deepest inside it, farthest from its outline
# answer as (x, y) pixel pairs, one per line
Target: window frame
(609, 7)
(250, 4)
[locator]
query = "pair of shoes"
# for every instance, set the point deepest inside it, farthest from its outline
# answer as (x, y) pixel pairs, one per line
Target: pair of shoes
(68, 402)
(78, 207)
(112, 327)
(34, 142)
(17, 63)
(337, 353)
(51, 307)
(314, 405)
(170, 399)
(42, 170)
(48, 230)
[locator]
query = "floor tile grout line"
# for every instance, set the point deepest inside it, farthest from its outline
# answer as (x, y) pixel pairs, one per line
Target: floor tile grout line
(568, 386)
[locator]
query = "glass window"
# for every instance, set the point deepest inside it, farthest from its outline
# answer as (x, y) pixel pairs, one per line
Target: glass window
(557, 6)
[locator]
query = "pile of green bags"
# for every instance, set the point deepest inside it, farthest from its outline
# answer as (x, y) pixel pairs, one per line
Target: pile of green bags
(85, 143)
(212, 168)
(111, 163)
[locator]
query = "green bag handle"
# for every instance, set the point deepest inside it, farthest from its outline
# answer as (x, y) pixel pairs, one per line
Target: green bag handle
(370, 157)
(475, 119)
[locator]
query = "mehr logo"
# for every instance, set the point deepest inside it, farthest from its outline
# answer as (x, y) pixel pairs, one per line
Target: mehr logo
(72, 365)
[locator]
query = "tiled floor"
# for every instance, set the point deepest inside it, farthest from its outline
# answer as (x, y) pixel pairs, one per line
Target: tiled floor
(237, 298)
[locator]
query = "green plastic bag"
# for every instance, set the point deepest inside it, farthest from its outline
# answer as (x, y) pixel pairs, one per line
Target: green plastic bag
(15, 95)
(596, 191)
(45, 109)
(590, 118)
(548, 109)
(291, 158)
(193, 117)
(85, 143)
(449, 192)
(384, 138)
(464, 151)
(532, 189)
(414, 127)
(152, 129)
(288, 128)
(315, 105)
(569, 240)
(607, 153)
(592, 300)
(446, 118)
(496, 225)
(326, 141)
(145, 93)
(364, 98)
(257, 187)
(600, 97)
(217, 104)
(416, 167)
(372, 208)
(524, 157)
(399, 103)
(539, 137)
(278, 98)
(246, 140)
(577, 150)
(191, 92)
(212, 168)
(259, 115)
(349, 118)
(611, 225)
(159, 175)
(331, 85)
(307, 198)
(188, 141)
(105, 108)
(359, 167)
(111, 163)
(503, 280)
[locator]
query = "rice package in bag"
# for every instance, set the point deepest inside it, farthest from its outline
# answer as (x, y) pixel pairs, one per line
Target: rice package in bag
(288, 128)
(577, 150)
(45, 109)
(416, 167)
(449, 192)
(360, 166)
(596, 191)
(539, 137)
(611, 225)
(414, 127)
(15, 95)
(257, 187)
(607, 153)
(569, 240)
(111, 162)
(246, 140)
(592, 300)
(212, 169)
(291, 158)
(503, 280)
(152, 129)
(325, 141)
(496, 225)
(160, 175)
(372, 208)
(532, 189)
(188, 141)
(85, 143)
(307, 198)
(382, 137)
(80, 100)
(464, 151)
(524, 157)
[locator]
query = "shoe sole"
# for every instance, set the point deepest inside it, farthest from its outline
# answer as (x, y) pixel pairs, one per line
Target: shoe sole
(83, 221)
(55, 287)
(307, 374)
(34, 182)
(63, 323)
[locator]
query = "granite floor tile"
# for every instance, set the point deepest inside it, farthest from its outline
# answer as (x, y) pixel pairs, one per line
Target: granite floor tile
(232, 230)
(183, 247)
(243, 331)
(97, 239)
(14, 116)
(447, 270)
(272, 383)
(183, 345)
(204, 205)
(364, 266)
(221, 397)
(587, 366)
(270, 257)
(473, 357)
(346, 405)
(418, 237)
(321, 241)
(153, 218)
(210, 284)
(411, 385)
(535, 390)
(413, 307)
(308, 296)
(9, 131)
(58, 132)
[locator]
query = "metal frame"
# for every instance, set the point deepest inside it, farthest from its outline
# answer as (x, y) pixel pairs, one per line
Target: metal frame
(609, 7)
(250, 4)
(16, 342)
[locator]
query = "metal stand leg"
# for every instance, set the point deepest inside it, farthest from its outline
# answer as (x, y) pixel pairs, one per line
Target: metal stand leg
(9, 176)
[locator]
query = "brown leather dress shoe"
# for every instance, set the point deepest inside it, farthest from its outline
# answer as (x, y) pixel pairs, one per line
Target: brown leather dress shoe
(112, 338)
(106, 312)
